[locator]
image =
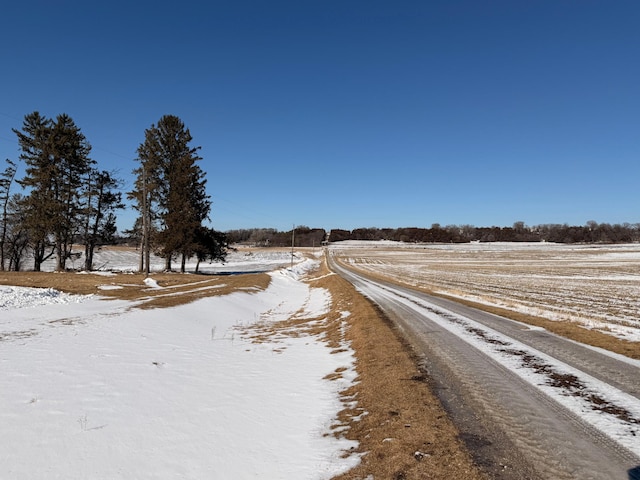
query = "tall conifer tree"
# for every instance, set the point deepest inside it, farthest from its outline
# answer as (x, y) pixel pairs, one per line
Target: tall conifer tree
(170, 190)
(56, 154)
(6, 180)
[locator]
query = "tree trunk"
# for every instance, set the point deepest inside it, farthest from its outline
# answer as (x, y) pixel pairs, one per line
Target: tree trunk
(88, 256)
(141, 262)
(60, 258)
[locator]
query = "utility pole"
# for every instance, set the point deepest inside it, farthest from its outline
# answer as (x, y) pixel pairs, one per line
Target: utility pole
(146, 222)
(293, 241)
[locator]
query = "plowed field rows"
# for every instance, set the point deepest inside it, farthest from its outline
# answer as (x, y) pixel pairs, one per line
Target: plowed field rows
(597, 287)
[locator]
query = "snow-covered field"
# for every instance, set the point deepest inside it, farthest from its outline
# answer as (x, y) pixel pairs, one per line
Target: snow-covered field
(548, 277)
(124, 259)
(596, 286)
(95, 389)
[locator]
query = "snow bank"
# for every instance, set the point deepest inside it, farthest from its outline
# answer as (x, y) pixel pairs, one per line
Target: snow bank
(23, 297)
(103, 392)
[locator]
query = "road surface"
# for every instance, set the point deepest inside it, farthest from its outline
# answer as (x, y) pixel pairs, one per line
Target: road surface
(529, 404)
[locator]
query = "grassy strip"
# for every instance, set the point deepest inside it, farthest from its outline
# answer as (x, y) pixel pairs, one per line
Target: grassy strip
(401, 427)
(178, 289)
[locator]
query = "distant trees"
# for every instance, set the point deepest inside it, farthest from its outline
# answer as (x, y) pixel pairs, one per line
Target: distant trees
(270, 237)
(170, 195)
(253, 236)
(66, 199)
(519, 232)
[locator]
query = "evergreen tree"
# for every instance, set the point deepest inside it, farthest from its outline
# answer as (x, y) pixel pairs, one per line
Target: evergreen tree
(70, 151)
(6, 180)
(146, 194)
(56, 154)
(210, 245)
(170, 190)
(16, 240)
(35, 145)
(101, 201)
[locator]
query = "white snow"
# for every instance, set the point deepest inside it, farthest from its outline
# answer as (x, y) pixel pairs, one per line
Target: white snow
(150, 282)
(96, 389)
(21, 297)
(594, 286)
(623, 431)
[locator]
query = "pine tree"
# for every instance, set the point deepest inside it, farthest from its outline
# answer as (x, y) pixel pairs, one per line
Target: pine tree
(146, 194)
(6, 180)
(56, 154)
(101, 200)
(170, 190)
(71, 155)
(34, 142)
(210, 245)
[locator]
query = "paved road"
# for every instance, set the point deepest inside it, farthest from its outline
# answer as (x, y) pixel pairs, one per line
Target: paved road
(481, 366)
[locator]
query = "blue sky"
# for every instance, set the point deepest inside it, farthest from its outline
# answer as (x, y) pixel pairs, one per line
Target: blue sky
(347, 114)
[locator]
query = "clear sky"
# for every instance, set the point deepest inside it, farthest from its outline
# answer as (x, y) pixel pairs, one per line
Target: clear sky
(347, 114)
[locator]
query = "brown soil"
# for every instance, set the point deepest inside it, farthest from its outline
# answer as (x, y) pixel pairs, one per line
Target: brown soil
(565, 329)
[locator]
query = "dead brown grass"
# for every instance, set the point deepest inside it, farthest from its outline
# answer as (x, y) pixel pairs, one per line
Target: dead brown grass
(177, 289)
(401, 428)
(405, 432)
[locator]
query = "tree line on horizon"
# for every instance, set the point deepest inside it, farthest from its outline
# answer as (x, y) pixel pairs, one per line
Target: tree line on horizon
(66, 199)
(591, 232)
(303, 236)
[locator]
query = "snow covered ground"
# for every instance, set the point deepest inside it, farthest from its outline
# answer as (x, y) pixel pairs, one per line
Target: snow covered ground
(95, 389)
(596, 286)
(125, 259)
(613, 411)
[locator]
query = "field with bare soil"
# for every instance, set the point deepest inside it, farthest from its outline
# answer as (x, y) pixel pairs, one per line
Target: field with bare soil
(588, 293)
